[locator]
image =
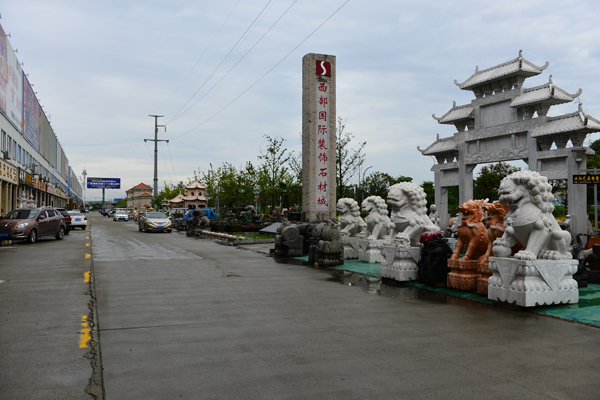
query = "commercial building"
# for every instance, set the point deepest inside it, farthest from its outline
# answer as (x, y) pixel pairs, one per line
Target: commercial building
(34, 169)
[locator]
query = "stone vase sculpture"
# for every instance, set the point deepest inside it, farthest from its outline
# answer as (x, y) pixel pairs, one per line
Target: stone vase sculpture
(378, 226)
(472, 233)
(402, 251)
(351, 224)
(542, 272)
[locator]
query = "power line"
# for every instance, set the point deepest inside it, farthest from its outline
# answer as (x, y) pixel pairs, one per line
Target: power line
(221, 63)
(202, 55)
(265, 74)
(236, 64)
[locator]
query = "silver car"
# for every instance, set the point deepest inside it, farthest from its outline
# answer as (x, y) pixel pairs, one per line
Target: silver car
(149, 221)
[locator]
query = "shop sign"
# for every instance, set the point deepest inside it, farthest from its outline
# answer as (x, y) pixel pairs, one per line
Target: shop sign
(586, 179)
(25, 178)
(9, 173)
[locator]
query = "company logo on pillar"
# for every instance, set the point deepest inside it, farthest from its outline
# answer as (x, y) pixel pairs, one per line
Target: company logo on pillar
(323, 68)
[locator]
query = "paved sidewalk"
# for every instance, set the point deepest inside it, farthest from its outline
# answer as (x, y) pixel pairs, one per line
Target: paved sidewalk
(221, 322)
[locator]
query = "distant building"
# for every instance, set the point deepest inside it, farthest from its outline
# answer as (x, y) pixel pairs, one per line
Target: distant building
(195, 197)
(139, 196)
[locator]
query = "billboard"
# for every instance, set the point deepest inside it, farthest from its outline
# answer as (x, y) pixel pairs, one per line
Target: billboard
(31, 115)
(11, 82)
(104, 183)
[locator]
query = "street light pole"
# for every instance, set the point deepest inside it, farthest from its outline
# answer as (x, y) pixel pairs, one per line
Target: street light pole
(84, 174)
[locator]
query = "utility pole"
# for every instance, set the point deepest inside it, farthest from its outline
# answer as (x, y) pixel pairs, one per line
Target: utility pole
(155, 140)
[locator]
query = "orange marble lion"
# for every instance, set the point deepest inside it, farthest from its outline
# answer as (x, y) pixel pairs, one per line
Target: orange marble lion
(496, 213)
(471, 232)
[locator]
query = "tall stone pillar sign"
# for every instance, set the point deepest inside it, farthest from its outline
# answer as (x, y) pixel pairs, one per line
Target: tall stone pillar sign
(318, 137)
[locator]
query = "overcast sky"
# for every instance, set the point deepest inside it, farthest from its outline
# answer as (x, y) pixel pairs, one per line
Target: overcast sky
(100, 68)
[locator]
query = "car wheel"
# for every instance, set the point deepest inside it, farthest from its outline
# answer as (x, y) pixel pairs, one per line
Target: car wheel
(32, 237)
(60, 234)
(68, 230)
(169, 231)
(139, 227)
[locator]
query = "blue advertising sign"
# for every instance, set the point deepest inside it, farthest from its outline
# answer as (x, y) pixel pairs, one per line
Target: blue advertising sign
(104, 183)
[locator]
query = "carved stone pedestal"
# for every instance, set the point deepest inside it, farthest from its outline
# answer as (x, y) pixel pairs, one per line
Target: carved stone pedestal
(369, 251)
(463, 275)
(400, 263)
(350, 247)
(482, 281)
(533, 283)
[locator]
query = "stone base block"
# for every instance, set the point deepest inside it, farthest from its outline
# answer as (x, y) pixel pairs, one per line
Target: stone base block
(350, 247)
(482, 281)
(533, 283)
(463, 275)
(369, 251)
(400, 263)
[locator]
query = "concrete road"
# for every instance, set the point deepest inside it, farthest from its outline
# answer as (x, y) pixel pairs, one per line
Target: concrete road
(182, 318)
(43, 319)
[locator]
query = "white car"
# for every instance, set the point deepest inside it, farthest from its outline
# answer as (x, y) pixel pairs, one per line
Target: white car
(120, 216)
(78, 220)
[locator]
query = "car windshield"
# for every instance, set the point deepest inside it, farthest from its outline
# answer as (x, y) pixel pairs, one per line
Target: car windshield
(21, 214)
(121, 213)
(154, 215)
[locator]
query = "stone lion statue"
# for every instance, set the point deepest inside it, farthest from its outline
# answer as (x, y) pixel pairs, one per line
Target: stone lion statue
(409, 213)
(529, 220)
(350, 221)
(377, 220)
(471, 231)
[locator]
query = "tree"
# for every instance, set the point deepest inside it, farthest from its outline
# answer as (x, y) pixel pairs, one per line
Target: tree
(348, 160)
(488, 180)
(170, 191)
(273, 167)
(429, 188)
(377, 183)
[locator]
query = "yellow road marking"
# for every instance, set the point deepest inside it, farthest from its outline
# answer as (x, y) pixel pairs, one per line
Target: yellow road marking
(86, 276)
(87, 244)
(88, 255)
(85, 333)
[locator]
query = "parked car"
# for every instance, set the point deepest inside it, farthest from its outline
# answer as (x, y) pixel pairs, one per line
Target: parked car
(29, 224)
(154, 221)
(171, 213)
(67, 217)
(121, 216)
(78, 220)
(208, 213)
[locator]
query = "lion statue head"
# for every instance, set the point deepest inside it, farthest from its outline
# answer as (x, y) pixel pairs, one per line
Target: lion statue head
(472, 211)
(408, 194)
(348, 206)
(496, 212)
(375, 204)
(520, 184)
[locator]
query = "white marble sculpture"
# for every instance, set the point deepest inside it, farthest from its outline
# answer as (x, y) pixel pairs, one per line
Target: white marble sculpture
(433, 215)
(401, 251)
(540, 273)
(351, 224)
(378, 226)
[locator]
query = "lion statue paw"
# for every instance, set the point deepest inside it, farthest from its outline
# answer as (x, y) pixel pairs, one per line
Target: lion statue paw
(525, 255)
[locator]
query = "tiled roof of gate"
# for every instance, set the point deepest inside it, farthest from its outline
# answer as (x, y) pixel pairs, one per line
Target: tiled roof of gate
(440, 146)
(518, 66)
(567, 123)
(455, 114)
(546, 93)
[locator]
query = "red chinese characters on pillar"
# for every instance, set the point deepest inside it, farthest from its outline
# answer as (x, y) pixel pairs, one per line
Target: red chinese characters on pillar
(322, 158)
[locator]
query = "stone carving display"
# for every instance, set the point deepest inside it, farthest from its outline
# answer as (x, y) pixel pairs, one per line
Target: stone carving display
(401, 251)
(433, 215)
(530, 220)
(542, 272)
(473, 234)
(351, 224)
(496, 212)
(378, 224)
(288, 241)
(328, 250)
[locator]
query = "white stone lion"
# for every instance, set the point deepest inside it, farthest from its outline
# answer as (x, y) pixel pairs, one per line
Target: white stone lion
(351, 223)
(530, 220)
(377, 220)
(409, 213)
